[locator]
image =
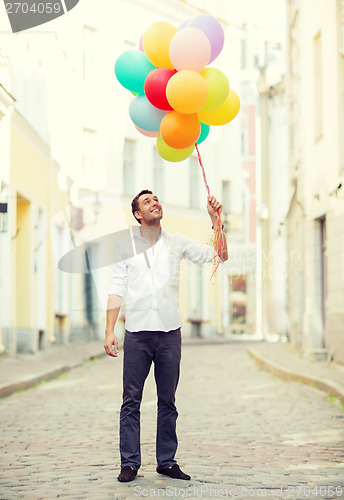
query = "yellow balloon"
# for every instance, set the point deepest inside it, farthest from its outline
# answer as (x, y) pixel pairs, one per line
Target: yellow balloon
(187, 91)
(223, 114)
(218, 88)
(156, 42)
(171, 154)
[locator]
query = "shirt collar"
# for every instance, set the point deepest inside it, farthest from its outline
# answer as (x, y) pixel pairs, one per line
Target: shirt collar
(137, 233)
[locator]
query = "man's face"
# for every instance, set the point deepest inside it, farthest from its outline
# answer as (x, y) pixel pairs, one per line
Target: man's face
(150, 210)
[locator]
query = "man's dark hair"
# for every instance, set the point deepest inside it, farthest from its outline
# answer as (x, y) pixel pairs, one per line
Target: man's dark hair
(135, 202)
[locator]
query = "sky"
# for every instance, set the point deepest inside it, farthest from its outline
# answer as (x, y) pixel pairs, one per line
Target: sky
(269, 15)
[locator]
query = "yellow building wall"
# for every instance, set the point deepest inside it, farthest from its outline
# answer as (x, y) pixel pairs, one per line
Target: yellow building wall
(23, 264)
(32, 176)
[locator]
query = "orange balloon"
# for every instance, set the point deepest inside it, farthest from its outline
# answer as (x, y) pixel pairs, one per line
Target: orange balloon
(187, 91)
(180, 131)
(224, 113)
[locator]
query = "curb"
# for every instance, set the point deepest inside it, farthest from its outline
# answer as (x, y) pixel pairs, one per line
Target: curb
(7, 390)
(284, 373)
(217, 341)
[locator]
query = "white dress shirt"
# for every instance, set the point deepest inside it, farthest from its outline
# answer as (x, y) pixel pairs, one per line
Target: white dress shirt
(148, 278)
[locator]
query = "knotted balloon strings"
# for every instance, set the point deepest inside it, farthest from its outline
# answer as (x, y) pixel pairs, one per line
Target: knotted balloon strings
(218, 229)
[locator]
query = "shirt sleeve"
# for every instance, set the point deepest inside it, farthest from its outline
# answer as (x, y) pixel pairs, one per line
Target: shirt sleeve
(119, 279)
(119, 270)
(196, 252)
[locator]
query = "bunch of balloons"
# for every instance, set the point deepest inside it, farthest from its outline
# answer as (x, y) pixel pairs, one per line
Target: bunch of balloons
(177, 97)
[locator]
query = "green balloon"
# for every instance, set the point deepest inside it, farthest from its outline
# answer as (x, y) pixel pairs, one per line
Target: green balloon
(131, 70)
(171, 154)
(205, 129)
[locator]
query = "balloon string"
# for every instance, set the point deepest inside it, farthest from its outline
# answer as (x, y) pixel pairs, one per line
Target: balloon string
(203, 171)
(218, 228)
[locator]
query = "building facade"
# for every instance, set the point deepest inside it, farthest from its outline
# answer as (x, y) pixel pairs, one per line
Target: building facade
(6, 109)
(315, 220)
(69, 140)
(75, 161)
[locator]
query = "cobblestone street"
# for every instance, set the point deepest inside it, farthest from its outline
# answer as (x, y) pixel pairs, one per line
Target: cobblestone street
(242, 434)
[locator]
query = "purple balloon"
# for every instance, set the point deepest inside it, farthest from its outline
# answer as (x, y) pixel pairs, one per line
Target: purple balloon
(213, 30)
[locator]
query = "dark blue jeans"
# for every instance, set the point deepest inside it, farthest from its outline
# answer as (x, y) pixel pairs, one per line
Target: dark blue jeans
(140, 350)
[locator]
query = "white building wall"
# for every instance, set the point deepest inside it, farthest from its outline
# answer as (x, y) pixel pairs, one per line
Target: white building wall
(316, 170)
(7, 338)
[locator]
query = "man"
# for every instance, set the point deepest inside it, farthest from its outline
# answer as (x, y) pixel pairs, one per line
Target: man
(150, 279)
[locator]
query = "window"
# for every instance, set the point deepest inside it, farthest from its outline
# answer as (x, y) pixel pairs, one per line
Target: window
(129, 167)
(243, 54)
(194, 182)
(158, 175)
(90, 291)
(226, 196)
(318, 86)
(238, 299)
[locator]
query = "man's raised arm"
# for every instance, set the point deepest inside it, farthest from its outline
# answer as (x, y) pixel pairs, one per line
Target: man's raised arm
(213, 206)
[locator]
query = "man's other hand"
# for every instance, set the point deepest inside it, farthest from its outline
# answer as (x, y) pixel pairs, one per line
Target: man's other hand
(111, 344)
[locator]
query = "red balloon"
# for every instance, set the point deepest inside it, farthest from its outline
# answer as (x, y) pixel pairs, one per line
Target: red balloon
(155, 87)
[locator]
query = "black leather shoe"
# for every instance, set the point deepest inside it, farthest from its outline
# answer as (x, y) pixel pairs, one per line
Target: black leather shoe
(127, 474)
(174, 472)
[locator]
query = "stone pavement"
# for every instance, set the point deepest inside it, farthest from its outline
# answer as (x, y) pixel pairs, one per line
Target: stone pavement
(280, 359)
(243, 433)
(284, 361)
(26, 370)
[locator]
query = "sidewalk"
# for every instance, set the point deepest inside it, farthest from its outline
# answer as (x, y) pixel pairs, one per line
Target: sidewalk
(26, 370)
(280, 359)
(285, 362)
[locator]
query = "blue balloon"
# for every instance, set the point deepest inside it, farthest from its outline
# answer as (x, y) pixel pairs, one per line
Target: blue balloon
(205, 129)
(131, 70)
(145, 115)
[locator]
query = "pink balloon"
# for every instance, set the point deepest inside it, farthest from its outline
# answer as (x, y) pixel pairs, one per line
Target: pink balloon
(213, 30)
(190, 49)
(146, 132)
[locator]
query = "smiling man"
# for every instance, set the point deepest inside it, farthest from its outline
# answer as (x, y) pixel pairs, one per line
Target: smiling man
(150, 280)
